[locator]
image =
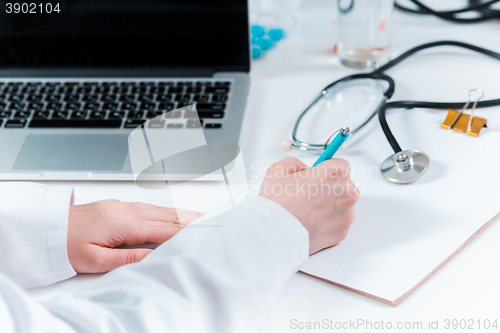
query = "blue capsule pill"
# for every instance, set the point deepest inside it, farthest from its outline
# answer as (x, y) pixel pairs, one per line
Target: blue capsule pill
(276, 34)
(257, 31)
(256, 52)
(264, 43)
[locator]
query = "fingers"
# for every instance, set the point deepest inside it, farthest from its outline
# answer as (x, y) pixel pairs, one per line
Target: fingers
(155, 232)
(158, 224)
(165, 214)
(106, 259)
(286, 166)
(334, 169)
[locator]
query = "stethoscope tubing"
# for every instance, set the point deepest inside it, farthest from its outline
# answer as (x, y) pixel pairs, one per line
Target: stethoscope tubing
(483, 8)
(422, 104)
(384, 105)
(311, 147)
(451, 15)
(416, 49)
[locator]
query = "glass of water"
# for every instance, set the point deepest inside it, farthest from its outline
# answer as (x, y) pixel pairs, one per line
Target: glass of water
(364, 32)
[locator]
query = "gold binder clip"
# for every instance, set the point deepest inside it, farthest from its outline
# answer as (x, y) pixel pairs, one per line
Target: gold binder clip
(464, 123)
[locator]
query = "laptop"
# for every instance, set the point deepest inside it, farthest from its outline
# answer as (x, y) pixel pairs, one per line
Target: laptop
(77, 77)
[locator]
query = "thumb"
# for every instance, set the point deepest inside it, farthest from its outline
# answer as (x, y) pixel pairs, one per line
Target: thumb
(109, 259)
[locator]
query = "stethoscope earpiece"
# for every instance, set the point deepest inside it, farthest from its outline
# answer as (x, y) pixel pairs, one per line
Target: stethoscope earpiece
(286, 145)
(405, 166)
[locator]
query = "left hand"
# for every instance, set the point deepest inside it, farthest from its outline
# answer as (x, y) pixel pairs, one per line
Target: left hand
(94, 230)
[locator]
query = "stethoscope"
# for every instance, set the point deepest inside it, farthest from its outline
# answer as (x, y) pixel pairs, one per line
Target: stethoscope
(404, 166)
(483, 9)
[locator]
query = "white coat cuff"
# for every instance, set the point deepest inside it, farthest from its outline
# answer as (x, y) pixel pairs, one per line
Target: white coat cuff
(288, 223)
(57, 233)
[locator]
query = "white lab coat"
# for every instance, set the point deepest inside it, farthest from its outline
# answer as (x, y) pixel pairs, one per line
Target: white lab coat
(213, 279)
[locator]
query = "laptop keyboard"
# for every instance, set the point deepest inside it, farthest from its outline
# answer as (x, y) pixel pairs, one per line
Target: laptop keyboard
(112, 104)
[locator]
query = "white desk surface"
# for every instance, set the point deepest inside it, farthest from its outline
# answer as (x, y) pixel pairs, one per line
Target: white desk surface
(283, 83)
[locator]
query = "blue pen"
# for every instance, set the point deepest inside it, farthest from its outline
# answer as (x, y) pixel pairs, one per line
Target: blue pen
(333, 144)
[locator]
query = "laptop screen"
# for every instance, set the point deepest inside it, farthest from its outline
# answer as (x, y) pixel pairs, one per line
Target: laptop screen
(115, 34)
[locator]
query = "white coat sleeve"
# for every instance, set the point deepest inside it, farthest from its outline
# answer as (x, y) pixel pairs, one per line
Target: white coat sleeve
(220, 275)
(34, 232)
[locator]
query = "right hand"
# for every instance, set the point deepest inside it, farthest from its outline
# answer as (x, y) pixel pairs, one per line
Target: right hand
(321, 198)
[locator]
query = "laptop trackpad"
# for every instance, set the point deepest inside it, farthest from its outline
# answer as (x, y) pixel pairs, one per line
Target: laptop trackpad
(79, 152)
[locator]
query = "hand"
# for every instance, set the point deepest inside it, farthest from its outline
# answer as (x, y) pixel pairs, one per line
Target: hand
(321, 198)
(94, 230)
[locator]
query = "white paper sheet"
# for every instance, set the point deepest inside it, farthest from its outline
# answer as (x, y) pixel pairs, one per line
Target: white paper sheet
(403, 232)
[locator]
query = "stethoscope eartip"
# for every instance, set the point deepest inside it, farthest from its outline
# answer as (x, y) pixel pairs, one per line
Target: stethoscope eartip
(286, 144)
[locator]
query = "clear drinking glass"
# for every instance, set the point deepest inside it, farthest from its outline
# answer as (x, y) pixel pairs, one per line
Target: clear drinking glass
(364, 32)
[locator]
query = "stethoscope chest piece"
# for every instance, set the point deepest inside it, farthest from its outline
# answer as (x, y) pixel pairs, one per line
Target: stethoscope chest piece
(405, 166)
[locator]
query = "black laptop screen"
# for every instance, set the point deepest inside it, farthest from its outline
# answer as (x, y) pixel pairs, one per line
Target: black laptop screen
(138, 34)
